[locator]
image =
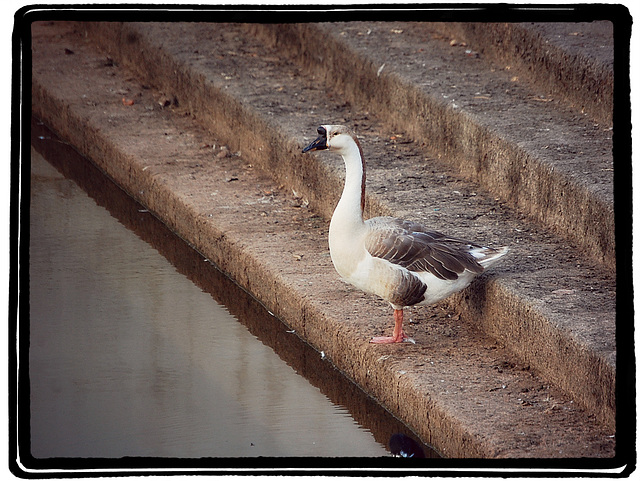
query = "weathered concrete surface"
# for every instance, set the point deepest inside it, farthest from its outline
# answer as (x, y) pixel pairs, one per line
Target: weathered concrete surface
(271, 103)
(459, 389)
(572, 62)
(549, 162)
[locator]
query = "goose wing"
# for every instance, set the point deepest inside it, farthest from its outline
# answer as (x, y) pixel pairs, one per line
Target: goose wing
(412, 246)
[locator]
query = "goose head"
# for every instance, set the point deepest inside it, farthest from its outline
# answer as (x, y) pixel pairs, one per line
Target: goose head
(336, 138)
(342, 140)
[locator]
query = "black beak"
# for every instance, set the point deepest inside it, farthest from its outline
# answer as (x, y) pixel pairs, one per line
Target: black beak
(319, 144)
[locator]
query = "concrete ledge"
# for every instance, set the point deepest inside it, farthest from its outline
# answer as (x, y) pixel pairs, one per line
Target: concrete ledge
(457, 388)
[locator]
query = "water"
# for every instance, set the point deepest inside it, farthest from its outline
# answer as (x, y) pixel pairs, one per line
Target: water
(133, 352)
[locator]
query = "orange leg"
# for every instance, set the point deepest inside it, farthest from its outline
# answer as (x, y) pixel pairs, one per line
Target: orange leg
(398, 333)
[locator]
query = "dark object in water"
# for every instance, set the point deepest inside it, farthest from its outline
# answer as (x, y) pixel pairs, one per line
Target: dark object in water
(404, 446)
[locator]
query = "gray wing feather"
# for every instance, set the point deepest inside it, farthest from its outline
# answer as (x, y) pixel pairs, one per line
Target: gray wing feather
(411, 245)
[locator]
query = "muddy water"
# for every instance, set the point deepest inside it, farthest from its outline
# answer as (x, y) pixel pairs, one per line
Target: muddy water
(139, 347)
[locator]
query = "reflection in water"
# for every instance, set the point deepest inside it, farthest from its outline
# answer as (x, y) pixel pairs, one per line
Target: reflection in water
(131, 355)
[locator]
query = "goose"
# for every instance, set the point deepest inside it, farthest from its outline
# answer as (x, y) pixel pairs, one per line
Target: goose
(400, 261)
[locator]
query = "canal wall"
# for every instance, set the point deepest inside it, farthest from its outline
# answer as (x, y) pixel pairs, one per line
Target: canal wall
(204, 125)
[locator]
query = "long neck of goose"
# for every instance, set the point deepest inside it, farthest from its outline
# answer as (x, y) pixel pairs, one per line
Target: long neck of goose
(351, 205)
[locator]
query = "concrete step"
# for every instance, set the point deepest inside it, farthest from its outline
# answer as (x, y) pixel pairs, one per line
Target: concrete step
(197, 85)
(567, 62)
(548, 161)
(261, 104)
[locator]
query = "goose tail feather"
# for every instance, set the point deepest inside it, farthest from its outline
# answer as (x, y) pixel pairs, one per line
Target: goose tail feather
(488, 256)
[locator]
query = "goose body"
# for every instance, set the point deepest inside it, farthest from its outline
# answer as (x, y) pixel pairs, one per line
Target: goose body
(400, 261)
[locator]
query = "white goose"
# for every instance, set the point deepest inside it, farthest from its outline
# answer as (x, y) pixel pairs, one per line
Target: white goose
(401, 261)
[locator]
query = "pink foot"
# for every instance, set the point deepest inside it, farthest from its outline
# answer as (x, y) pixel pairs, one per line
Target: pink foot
(391, 340)
(398, 333)
(384, 340)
